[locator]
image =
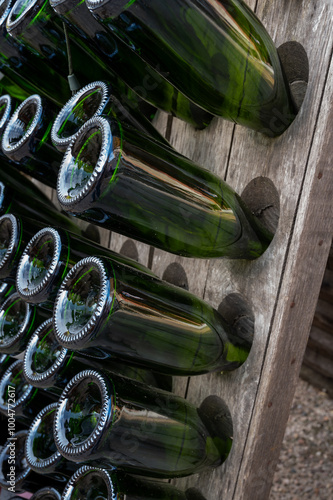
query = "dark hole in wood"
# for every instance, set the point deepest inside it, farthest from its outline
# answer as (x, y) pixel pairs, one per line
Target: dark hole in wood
(262, 198)
(216, 416)
(92, 233)
(194, 494)
(129, 250)
(236, 310)
(295, 64)
(176, 275)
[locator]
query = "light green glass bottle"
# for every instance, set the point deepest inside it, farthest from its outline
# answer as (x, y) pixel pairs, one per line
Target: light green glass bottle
(127, 182)
(113, 422)
(217, 53)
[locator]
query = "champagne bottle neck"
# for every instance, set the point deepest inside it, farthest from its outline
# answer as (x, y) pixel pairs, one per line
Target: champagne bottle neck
(6, 107)
(46, 493)
(10, 239)
(13, 452)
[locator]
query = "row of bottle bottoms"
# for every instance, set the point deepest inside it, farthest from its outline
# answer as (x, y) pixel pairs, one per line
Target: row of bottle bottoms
(114, 169)
(217, 59)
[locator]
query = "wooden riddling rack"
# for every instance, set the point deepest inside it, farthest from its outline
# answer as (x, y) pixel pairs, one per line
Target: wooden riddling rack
(283, 285)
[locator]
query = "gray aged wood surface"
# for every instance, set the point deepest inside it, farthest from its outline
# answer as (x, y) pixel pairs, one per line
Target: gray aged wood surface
(282, 286)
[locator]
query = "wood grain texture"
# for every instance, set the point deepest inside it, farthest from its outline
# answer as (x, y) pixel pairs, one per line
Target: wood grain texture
(283, 285)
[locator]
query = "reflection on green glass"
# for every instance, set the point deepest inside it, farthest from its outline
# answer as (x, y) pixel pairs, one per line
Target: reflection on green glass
(149, 192)
(46, 353)
(82, 414)
(43, 445)
(217, 54)
(82, 301)
(40, 262)
(80, 113)
(12, 319)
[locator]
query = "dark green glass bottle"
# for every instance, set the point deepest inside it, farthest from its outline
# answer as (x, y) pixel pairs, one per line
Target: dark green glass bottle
(40, 449)
(138, 75)
(15, 232)
(6, 108)
(18, 194)
(5, 362)
(218, 54)
(20, 399)
(6, 289)
(15, 474)
(90, 483)
(124, 181)
(18, 320)
(49, 255)
(95, 99)
(133, 427)
(25, 69)
(25, 140)
(9, 86)
(50, 366)
(46, 493)
(108, 308)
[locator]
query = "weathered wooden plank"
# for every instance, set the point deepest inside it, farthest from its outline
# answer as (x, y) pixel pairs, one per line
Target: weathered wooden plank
(271, 283)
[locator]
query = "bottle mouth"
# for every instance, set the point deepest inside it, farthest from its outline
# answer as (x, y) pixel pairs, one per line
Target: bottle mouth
(43, 356)
(14, 319)
(39, 265)
(89, 483)
(5, 100)
(40, 449)
(80, 303)
(115, 8)
(13, 453)
(18, 12)
(14, 386)
(46, 494)
(9, 239)
(22, 124)
(87, 103)
(83, 162)
(84, 408)
(5, 7)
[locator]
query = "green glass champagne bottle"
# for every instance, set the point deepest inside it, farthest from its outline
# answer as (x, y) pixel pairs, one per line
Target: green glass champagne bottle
(138, 75)
(6, 108)
(217, 53)
(20, 399)
(15, 233)
(29, 72)
(95, 99)
(50, 366)
(20, 196)
(110, 309)
(90, 483)
(126, 182)
(5, 362)
(47, 493)
(18, 320)
(25, 141)
(5, 290)
(9, 86)
(117, 422)
(36, 26)
(15, 474)
(40, 449)
(49, 255)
